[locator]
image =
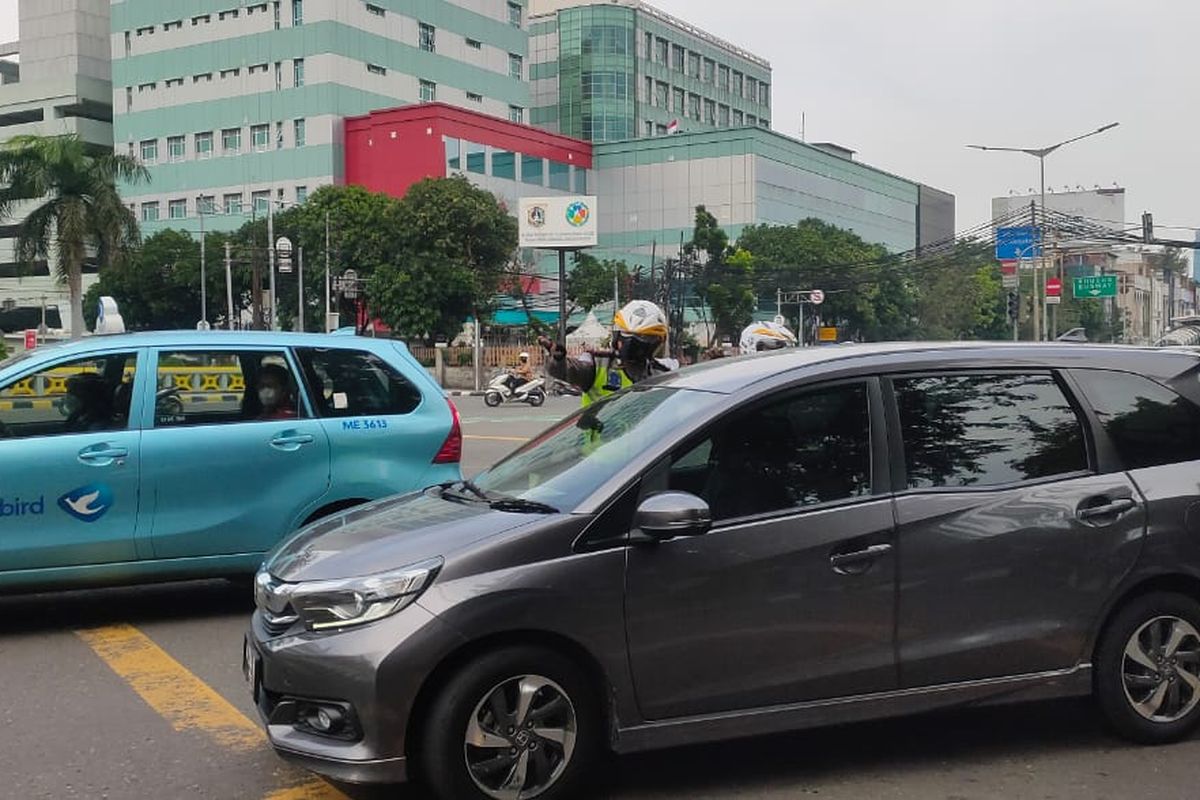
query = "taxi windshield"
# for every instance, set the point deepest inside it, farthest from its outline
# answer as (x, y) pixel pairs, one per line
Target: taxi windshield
(569, 461)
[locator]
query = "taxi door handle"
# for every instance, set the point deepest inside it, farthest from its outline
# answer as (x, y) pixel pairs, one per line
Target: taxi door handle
(292, 441)
(102, 457)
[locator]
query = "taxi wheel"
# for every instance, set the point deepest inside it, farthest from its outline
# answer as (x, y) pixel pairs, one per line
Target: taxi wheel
(518, 722)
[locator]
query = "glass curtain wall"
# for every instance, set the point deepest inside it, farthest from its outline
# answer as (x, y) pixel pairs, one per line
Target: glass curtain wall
(597, 73)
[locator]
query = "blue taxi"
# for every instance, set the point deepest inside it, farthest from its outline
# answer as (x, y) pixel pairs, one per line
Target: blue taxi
(169, 455)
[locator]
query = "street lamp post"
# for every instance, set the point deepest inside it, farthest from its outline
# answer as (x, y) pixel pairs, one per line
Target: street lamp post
(1040, 154)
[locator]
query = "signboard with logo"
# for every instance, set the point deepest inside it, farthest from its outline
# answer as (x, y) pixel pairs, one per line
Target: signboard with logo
(1016, 243)
(825, 334)
(558, 222)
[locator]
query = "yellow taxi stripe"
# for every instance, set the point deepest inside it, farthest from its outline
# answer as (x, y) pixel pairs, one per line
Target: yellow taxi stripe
(186, 702)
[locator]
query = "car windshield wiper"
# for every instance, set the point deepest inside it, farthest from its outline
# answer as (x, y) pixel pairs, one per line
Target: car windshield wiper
(520, 506)
(451, 491)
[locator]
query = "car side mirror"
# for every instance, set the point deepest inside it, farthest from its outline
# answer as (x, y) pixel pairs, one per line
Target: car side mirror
(668, 515)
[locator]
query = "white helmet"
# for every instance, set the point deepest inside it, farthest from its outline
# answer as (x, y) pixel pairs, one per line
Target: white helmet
(523, 356)
(641, 319)
(761, 336)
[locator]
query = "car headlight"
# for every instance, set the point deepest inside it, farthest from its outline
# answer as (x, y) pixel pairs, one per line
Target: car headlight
(344, 603)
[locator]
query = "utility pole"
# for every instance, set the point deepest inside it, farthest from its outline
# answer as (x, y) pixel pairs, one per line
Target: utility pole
(300, 291)
(271, 262)
(203, 276)
(256, 306)
(327, 278)
(228, 286)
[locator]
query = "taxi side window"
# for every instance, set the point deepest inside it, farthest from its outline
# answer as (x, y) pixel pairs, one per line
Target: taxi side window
(355, 383)
(207, 387)
(87, 395)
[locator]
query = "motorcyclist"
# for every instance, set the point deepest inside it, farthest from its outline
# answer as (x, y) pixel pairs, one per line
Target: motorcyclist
(639, 334)
(762, 336)
(520, 374)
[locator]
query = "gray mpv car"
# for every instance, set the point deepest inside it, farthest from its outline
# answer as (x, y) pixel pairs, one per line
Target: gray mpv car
(754, 545)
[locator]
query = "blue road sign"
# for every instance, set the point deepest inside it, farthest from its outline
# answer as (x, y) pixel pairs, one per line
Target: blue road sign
(1019, 242)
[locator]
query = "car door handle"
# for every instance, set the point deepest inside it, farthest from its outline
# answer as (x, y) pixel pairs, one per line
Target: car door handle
(292, 441)
(1113, 508)
(840, 561)
(102, 457)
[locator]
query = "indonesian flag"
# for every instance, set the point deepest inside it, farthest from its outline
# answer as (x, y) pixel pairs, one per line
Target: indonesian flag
(673, 128)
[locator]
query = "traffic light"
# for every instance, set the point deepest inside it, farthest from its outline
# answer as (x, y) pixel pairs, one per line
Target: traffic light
(1014, 307)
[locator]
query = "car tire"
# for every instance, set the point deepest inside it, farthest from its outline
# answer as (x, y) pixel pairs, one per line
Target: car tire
(482, 699)
(1148, 668)
(536, 398)
(492, 399)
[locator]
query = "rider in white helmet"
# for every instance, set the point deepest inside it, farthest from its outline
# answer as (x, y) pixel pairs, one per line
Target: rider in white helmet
(639, 336)
(760, 336)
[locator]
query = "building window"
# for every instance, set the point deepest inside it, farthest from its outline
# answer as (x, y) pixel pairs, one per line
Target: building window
(232, 203)
(204, 144)
(297, 13)
(301, 194)
(751, 120)
(375, 69)
(202, 19)
(147, 31)
(649, 128)
(233, 14)
(172, 26)
(723, 78)
(660, 51)
(694, 65)
(751, 89)
(203, 77)
(474, 98)
(278, 75)
(532, 170)
(710, 112)
(677, 101)
(177, 209)
(259, 201)
(677, 56)
(514, 14)
(581, 176)
(560, 176)
(231, 141)
(257, 68)
(173, 82)
(723, 116)
(297, 72)
(474, 44)
(516, 114)
(648, 46)
(206, 204)
(377, 11)
(764, 94)
(231, 73)
(763, 122)
(428, 91)
(298, 131)
(150, 151)
(661, 94)
(150, 211)
(260, 136)
(128, 98)
(710, 71)
(515, 64)
(648, 94)
(427, 36)
(476, 157)
(146, 87)
(736, 88)
(453, 151)
(176, 148)
(278, 135)
(504, 165)
(694, 106)
(276, 14)
(737, 119)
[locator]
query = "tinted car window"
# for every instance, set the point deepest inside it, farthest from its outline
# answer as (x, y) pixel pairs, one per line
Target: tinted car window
(83, 396)
(353, 383)
(987, 430)
(808, 449)
(198, 387)
(1148, 423)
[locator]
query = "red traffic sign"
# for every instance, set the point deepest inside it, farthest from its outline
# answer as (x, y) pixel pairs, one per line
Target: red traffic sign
(30, 339)
(1008, 267)
(1053, 287)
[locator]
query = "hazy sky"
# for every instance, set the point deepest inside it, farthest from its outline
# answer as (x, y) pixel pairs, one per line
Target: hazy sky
(908, 84)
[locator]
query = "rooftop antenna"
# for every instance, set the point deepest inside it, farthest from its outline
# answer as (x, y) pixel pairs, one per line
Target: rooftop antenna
(803, 131)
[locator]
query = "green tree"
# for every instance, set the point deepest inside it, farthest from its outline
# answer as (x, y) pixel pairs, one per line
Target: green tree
(157, 286)
(960, 295)
(454, 243)
(731, 294)
(590, 281)
(77, 207)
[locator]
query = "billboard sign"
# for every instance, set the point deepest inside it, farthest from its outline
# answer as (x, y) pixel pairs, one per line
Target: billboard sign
(558, 223)
(1096, 286)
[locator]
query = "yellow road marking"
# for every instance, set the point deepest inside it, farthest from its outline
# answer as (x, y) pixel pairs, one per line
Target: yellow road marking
(188, 703)
(497, 438)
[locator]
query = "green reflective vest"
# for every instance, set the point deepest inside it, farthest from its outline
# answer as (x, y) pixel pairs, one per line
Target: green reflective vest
(600, 388)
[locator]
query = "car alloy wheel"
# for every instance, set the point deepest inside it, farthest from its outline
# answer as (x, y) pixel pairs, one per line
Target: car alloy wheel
(520, 738)
(1161, 669)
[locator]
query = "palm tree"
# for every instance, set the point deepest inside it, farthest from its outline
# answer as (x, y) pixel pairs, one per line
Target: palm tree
(78, 207)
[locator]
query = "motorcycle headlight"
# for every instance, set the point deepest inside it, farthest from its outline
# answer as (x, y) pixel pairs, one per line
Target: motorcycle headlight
(325, 605)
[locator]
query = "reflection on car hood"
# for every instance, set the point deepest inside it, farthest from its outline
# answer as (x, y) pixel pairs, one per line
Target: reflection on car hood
(387, 534)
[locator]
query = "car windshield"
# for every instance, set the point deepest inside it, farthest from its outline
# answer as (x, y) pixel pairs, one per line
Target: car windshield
(574, 458)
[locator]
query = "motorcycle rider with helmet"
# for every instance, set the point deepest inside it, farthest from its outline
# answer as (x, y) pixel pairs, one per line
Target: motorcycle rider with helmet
(639, 335)
(759, 337)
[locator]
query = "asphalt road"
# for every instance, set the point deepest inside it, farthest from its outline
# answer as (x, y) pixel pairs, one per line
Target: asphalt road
(138, 693)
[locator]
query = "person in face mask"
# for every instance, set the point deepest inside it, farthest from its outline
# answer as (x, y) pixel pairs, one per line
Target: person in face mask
(639, 333)
(275, 393)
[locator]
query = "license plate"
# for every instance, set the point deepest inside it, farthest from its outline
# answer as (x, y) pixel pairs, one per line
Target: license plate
(250, 666)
